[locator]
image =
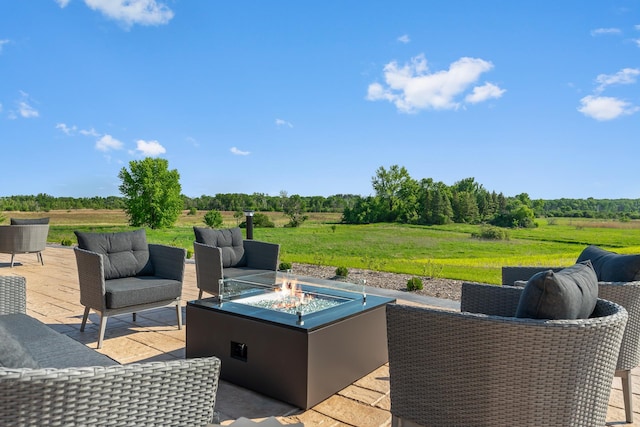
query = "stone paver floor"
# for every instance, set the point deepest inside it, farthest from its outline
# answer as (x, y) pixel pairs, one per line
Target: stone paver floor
(53, 298)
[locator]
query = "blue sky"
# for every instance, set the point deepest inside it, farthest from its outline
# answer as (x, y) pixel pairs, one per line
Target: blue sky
(312, 97)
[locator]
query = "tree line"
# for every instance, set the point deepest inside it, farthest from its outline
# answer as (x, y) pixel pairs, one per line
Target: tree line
(397, 198)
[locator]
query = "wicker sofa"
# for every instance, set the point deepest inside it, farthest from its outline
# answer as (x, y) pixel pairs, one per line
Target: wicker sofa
(24, 236)
(48, 378)
(483, 367)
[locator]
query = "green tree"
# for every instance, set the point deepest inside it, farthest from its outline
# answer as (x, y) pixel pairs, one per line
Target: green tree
(213, 219)
(398, 192)
(294, 207)
(151, 192)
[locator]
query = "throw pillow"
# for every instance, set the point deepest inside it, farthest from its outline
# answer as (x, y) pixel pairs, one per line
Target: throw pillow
(570, 293)
(12, 353)
(610, 266)
(29, 221)
(229, 241)
(125, 254)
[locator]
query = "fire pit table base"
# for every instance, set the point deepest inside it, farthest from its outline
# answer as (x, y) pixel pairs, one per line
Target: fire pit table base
(301, 366)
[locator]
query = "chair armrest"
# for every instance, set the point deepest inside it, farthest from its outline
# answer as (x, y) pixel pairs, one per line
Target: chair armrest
(13, 295)
(208, 267)
(492, 300)
(177, 392)
(90, 278)
(626, 294)
(511, 274)
(168, 261)
(262, 255)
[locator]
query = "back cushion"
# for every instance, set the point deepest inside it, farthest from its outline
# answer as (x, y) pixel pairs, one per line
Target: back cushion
(229, 240)
(125, 254)
(610, 266)
(570, 293)
(29, 221)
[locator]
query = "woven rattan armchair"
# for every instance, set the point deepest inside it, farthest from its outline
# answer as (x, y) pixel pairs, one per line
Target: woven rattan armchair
(450, 368)
(24, 239)
(161, 289)
(627, 294)
(171, 393)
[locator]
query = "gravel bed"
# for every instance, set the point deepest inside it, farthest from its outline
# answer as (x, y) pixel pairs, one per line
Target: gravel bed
(433, 286)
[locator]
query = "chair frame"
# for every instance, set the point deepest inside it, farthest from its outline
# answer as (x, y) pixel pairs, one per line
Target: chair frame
(168, 263)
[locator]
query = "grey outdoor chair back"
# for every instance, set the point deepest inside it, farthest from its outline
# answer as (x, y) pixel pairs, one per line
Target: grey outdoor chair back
(473, 369)
(627, 294)
(24, 239)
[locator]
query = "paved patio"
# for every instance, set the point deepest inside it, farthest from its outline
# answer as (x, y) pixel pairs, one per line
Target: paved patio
(53, 297)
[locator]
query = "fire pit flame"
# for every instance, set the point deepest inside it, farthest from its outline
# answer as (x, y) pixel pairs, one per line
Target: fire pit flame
(290, 298)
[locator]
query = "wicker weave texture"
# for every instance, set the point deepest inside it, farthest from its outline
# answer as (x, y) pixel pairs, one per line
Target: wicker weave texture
(13, 294)
(465, 369)
(174, 393)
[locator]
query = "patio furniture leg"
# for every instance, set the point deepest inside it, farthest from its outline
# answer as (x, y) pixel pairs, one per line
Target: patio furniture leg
(12, 255)
(40, 258)
(84, 319)
(179, 313)
(200, 294)
(627, 392)
(134, 317)
(103, 327)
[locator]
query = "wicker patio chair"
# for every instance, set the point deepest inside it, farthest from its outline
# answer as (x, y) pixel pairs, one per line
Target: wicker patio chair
(452, 368)
(130, 294)
(627, 294)
(24, 239)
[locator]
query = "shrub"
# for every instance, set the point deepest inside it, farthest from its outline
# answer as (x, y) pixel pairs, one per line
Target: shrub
(414, 284)
(192, 211)
(213, 219)
(66, 242)
(342, 271)
(189, 253)
(284, 266)
(491, 233)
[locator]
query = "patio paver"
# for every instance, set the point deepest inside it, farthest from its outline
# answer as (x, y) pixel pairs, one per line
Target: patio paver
(53, 298)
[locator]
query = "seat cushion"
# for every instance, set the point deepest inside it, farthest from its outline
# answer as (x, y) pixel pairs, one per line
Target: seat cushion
(570, 293)
(49, 348)
(229, 240)
(12, 353)
(130, 291)
(126, 254)
(29, 221)
(610, 266)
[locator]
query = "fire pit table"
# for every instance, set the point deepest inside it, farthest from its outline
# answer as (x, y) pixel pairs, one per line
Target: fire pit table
(296, 339)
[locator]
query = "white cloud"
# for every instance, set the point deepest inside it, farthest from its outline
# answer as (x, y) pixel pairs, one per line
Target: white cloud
(107, 143)
(90, 132)
(2, 43)
(623, 77)
(484, 92)
(603, 108)
(130, 12)
(62, 3)
(66, 129)
(637, 42)
(150, 148)
(404, 38)
(413, 87)
(26, 110)
(605, 31)
(239, 152)
(280, 122)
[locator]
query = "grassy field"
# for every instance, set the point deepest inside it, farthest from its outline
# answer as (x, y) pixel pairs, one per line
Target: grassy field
(446, 251)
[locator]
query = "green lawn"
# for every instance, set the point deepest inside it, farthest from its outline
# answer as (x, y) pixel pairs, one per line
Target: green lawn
(441, 251)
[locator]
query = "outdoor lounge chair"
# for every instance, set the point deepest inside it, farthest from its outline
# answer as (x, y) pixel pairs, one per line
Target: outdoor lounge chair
(224, 253)
(24, 236)
(627, 294)
(120, 273)
(482, 367)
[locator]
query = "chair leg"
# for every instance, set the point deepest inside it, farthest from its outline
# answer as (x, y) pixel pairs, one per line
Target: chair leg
(200, 294)
(627, 393)
(84, 319)
(103, 327)
(40, 258)
(179, 313)
(134, 317)
(12, 255)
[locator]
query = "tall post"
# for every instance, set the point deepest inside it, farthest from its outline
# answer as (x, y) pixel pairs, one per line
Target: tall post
(249, 216)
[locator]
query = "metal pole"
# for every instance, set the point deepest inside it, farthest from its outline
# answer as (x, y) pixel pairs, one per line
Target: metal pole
(249, 217)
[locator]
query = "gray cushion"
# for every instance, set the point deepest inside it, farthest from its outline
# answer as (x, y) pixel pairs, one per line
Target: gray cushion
(570, 293)
(126, 254)
(12, 353)
(610, 266)
(229, 240)
(29, 221)
(133, 291)
(51, 349)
